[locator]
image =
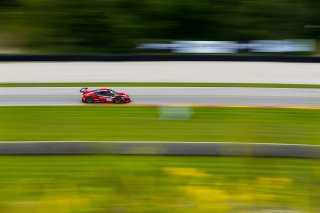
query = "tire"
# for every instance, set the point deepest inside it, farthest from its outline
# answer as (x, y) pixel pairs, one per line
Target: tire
(117, 100)
(89, 99)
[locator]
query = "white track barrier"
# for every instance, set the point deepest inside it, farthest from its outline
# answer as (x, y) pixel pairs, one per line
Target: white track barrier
(220, 72)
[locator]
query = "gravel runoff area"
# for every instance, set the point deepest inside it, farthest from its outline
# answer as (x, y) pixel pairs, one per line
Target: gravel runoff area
(219, 72)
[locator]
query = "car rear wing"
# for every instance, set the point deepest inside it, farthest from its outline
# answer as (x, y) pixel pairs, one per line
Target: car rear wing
(84, 90)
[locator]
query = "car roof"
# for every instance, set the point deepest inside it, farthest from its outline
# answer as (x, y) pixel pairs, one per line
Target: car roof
(104, 89)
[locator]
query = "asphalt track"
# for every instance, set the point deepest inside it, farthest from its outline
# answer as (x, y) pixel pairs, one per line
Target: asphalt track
(217, 96)
(160, 148)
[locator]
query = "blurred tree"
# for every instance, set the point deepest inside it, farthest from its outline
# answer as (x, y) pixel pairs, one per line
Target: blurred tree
(112, 26)
(267, 19)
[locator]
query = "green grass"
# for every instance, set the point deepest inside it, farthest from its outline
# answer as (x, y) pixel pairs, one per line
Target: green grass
(64, 184)
(135, 123)
(155, 84)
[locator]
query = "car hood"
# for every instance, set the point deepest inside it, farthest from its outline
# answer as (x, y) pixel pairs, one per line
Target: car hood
(122, 94)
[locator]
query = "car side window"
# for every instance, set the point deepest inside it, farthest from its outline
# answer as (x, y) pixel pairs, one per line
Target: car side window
(104, 93)
(99, 93)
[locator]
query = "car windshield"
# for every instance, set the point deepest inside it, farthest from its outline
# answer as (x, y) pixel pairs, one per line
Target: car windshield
(113, 92)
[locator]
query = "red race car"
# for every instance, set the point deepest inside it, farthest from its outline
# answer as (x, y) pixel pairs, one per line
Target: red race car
(104, 95)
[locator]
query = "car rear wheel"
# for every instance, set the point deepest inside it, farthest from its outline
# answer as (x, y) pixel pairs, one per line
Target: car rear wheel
(117, 100)
(89, 99)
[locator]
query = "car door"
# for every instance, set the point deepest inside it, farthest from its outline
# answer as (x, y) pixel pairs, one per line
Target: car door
(101, 96)
(108, 97)
(104, 96)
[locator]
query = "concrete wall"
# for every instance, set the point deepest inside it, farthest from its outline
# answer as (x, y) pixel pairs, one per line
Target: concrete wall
(221, 72)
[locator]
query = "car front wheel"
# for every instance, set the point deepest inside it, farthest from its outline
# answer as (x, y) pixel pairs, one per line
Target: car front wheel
(117, 100)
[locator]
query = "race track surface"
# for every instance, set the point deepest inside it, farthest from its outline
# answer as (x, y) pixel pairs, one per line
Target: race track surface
(159, 148)
(50, 96)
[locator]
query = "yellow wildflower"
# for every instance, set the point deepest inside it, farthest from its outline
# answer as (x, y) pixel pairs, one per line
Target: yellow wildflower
(191, 172)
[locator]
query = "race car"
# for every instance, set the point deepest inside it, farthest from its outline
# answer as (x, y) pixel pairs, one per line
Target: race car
(104, 95)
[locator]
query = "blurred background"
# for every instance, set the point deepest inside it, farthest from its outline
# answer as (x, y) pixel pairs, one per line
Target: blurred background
(284, 111)
(125, 26)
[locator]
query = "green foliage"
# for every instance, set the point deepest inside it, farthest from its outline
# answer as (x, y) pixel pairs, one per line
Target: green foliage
(138, 184)
(158, 84)
(104, 26)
